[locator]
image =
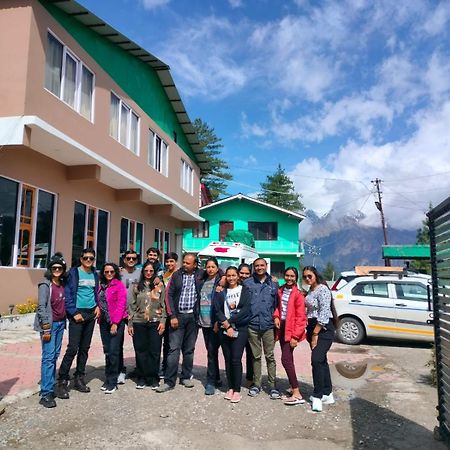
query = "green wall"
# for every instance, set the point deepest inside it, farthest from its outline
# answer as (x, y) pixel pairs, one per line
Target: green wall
(134, 76)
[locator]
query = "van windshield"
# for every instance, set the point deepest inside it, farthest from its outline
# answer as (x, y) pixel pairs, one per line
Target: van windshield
(224, 263)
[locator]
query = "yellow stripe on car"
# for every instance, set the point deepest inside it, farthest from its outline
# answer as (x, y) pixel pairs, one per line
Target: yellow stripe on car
(402, 330)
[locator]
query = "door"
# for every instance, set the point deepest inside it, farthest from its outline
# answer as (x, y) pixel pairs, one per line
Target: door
(412, 311)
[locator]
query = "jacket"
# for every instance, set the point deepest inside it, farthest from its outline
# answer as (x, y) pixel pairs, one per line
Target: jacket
(263, 301)
(44, 313)
(242, 315)
(116, 299)
(295, 325)
(213, 295)
(72, 288)
(174, 291)
(137, 303)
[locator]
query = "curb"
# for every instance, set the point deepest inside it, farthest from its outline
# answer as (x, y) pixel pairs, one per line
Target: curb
(16, 321)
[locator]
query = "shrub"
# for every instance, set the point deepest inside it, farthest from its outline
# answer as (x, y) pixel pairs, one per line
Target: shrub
(30, 306)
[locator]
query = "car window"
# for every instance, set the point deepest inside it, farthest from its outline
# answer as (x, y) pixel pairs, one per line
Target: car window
(412, 291)
(371, 289)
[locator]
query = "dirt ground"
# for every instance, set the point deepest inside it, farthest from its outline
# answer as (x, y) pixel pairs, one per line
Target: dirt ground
(384, 400)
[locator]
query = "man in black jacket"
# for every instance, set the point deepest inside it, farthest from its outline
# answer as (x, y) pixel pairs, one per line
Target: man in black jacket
(182, 300)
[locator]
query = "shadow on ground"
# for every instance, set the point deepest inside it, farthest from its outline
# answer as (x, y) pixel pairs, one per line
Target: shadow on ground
(5, 386)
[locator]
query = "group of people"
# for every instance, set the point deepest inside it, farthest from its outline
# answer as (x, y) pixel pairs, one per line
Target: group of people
(241, 309)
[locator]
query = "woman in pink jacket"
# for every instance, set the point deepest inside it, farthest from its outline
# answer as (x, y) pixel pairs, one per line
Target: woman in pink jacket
(112, 301)
(290, 325)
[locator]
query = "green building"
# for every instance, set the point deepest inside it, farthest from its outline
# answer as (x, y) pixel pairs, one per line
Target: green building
(276, 230)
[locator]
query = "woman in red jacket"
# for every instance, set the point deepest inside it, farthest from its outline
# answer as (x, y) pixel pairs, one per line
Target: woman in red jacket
(290, 323)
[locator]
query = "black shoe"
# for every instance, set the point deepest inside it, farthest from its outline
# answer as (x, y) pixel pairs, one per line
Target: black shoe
(47, 401)
(62, 389)
(80, 385)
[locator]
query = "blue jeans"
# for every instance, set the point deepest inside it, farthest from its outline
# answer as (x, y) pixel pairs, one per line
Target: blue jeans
(50, 353)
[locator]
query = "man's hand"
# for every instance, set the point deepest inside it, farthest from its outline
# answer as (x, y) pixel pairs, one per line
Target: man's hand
(216, 327)
(277, 323)
(161, 328)
(78, 318)
(174, 323)
(230, 332)
(97, 313)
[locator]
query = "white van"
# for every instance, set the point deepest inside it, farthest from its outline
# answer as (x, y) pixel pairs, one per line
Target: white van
(228, 253)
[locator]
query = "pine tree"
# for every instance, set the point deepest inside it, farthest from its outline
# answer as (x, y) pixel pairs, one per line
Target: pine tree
(423, 238)
(329, 272)
(278, 190)
(217, 174)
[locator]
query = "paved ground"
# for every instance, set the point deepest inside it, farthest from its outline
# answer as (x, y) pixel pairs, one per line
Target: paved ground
(383, 401)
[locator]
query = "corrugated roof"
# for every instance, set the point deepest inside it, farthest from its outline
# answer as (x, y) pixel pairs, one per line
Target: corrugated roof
(90, 20)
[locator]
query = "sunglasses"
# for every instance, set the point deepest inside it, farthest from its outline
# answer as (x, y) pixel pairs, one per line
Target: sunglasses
(308, 277)
(108, 272)
(57, 268)
(88, 258)
(131, 258)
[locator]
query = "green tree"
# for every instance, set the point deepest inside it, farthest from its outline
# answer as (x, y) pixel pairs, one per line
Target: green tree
(278, 190)
(215, 177)
(329, 273)
(423, 238)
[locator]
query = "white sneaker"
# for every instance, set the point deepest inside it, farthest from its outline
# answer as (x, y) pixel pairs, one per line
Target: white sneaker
(121, 378)
(316, 404)
(110, 390)
(328, 399)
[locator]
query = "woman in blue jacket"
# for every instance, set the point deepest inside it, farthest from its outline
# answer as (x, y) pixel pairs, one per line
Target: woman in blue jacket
(207, 321)
(232, 312)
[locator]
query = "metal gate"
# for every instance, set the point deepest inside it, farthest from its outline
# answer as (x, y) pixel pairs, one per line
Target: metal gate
(439, 223)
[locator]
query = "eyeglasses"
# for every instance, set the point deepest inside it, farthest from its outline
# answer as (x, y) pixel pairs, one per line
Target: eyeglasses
(108, 272)
(57, 268)
(131, 258)
(308, 277)
(88, 258)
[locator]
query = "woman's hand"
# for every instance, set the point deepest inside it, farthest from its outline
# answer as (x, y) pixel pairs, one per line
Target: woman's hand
(78, 318)
(230, 332)
(97, 313)
(293, 343)
(113, 329)
(277, 323)
(216, 327)
(130, 331)
(314, 340)
(161, 328)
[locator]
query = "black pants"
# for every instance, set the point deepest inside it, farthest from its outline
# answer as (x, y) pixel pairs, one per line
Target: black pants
(233, 349)
(122, 368)
(212, 344)
(112, 343)
(248, 362)
(147, 347)
(80, 337)
(319, 362)
(166, 346)
(182, 339)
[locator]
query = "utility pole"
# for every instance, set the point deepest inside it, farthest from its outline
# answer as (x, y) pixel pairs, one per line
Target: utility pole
(379, 206)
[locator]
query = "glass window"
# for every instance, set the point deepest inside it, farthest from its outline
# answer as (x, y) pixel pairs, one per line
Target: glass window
(26, 223)
(166, 242)
(79, 225)
(44, 229)
(139, 238)
(131, 235)
(412, 291)
(124, 118)
(102, 237)
(371, 289)
(224, 228)
(264, 231)
(68, 78)
(202, 230)
(158, 153)
(114, 117)
(9, 192)
(124, 124)
(187, 177)
(134, 133)
(123, 235)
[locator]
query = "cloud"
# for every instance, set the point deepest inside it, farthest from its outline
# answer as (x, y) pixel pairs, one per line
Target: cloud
(251, 129)
(152, 4)
(236, 3)
(437, 20)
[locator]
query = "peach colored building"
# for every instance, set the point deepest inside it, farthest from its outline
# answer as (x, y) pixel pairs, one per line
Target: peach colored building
(96, 148)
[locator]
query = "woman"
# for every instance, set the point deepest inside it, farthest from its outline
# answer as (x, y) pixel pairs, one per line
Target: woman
(50, 322)
(146, 324)
(112, 301)
(207, 321)
(320, 335)
(290, 324)
(245, 271)
(232, 312)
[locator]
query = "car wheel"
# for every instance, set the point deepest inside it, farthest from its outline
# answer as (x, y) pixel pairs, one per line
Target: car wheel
(350, 331)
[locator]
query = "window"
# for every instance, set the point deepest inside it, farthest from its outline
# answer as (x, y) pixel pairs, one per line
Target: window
(162, 241)
(68, 78)
(158, 153)
(187, 177)
(31, 212)
(264, 231)
(124, 124)
(224, 228)
(131, 236)
(412, 291)
(202, 230)
(277, 269)
(371, 289)
(90, 229)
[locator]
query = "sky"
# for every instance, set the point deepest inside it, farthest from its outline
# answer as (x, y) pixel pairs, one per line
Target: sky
(337, 92)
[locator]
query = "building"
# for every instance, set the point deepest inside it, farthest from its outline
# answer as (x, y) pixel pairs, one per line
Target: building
(96, 148)
(276, 230)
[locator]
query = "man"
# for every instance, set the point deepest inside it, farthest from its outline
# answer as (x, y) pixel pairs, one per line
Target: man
(153, 256)
(183, 295)
(82, 310)
(262, 293)
(130, 273)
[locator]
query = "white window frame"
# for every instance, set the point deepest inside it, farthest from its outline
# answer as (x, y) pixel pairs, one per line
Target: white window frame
(127, 141)
(187, 177)
(160, 164)
(79, 70)
(136, 223)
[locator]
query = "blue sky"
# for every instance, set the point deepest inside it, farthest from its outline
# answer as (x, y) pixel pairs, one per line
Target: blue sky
(337, 92)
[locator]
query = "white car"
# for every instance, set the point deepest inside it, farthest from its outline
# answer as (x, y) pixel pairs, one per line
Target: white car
(385, 305)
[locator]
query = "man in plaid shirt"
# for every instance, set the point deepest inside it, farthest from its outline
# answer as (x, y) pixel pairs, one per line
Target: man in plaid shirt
(182, 300)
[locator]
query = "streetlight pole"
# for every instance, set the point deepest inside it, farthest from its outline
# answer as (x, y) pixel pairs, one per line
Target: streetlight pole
(379, 205)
